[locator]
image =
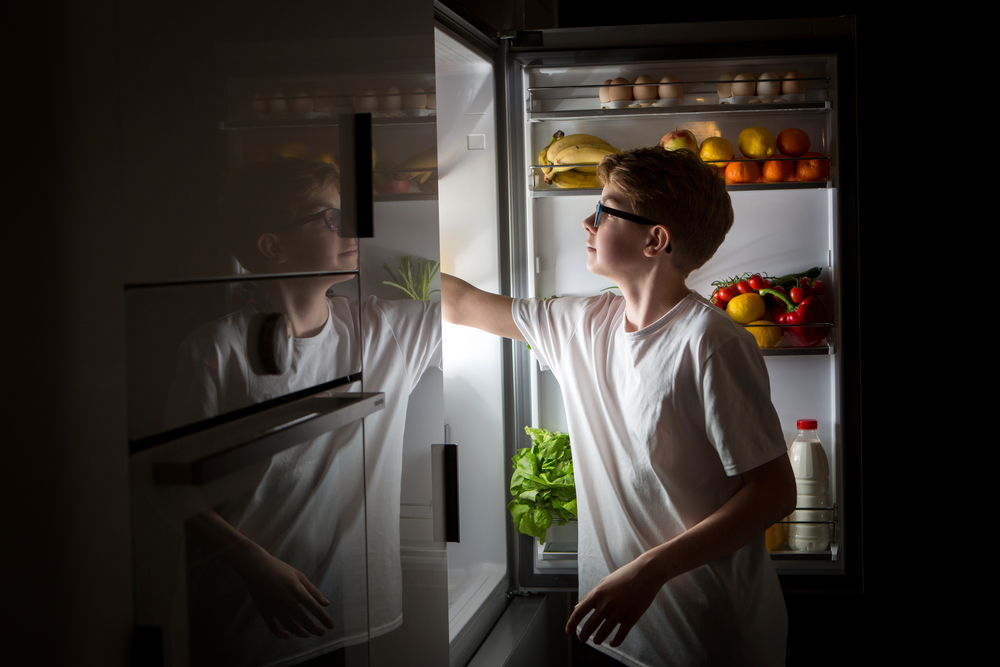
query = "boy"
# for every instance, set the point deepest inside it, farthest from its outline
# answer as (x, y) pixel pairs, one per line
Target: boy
(679, 457)
(288, 558)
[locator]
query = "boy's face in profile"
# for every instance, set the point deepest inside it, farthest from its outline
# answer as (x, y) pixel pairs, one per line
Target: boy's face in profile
(614, 248)
(312, 246)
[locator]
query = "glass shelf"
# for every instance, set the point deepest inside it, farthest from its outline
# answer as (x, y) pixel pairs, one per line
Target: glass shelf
(684, 110)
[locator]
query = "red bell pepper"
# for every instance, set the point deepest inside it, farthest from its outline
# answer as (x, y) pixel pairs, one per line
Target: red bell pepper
(808, 311)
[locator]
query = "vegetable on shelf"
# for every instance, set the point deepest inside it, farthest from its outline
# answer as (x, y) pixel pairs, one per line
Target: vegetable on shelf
(415, 284)
(807, 311)
(542, 484)
(755, 300)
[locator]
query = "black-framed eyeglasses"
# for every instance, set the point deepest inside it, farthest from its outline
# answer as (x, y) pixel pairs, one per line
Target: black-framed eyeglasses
(624, 215)
(330, 216)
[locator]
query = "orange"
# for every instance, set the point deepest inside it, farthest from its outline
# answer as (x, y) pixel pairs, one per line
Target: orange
(816, 169)
(793, 142)
(778, 171)
(742, 170)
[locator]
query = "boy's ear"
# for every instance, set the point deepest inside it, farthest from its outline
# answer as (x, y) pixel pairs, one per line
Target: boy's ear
(657, 241)
(270, 246)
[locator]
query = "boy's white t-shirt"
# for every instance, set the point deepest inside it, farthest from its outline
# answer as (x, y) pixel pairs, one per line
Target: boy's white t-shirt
(662, 422)
(308, 505)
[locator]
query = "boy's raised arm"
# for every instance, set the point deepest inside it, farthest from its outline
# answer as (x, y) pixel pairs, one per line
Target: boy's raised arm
(461, 303)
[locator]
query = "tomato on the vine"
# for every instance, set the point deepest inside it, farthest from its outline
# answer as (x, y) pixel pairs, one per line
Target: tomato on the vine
(757, 283)
(819, 287)
(726, 293)
(797, 294)
(743, 287)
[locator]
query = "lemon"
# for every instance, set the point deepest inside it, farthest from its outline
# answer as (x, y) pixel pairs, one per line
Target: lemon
(746, 308)
(757, 143)
(767, 336)
(716, 148)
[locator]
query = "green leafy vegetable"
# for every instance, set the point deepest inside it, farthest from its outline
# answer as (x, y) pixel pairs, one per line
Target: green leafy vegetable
(414, 283)
(542, 484)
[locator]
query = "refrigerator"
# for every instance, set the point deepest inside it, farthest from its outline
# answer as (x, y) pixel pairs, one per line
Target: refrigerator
(379, 89)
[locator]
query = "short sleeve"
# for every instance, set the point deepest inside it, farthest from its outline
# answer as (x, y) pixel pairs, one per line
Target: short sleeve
(741, 421)
(550, 325)
(414, 328)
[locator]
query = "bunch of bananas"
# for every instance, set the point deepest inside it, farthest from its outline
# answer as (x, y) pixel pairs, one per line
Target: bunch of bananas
(573, 159)
(424, 166)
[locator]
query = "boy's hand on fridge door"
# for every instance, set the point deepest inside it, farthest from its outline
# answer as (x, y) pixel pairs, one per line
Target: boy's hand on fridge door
(619, 600)
(283, 595)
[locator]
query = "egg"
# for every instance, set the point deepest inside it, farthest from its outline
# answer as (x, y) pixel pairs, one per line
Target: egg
(620, 94)
(415, 98)
(302, 102)
(725, 85)
(669, 89)
(744, 84)
(644, 92)
(604, 92)
(392, 100)
(793, 87)
(769, 84)
(322, 101)
(367, 101)
(277, 103)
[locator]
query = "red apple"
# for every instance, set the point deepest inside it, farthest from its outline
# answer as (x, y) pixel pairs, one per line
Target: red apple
(680, 139)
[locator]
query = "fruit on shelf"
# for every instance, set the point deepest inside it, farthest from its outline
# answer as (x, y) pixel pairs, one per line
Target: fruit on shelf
(714, 149)
(757, 143)
(813, 167)
(742, 170)
(778, 170)
(793, 142)
(575, 153)
(575, 179)
(328, 157)
(583, 154)
(745, 308)
(678, 140)
(766, 334)
(567, 141)
(421, 166)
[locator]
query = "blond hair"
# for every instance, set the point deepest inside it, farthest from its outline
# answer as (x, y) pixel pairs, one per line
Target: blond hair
(679, 190)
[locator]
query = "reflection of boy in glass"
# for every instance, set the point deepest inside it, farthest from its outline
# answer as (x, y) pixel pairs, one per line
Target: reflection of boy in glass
(309, 502)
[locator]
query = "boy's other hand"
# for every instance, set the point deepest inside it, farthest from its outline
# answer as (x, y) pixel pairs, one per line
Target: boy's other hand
(620, 599)
(283, 595)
